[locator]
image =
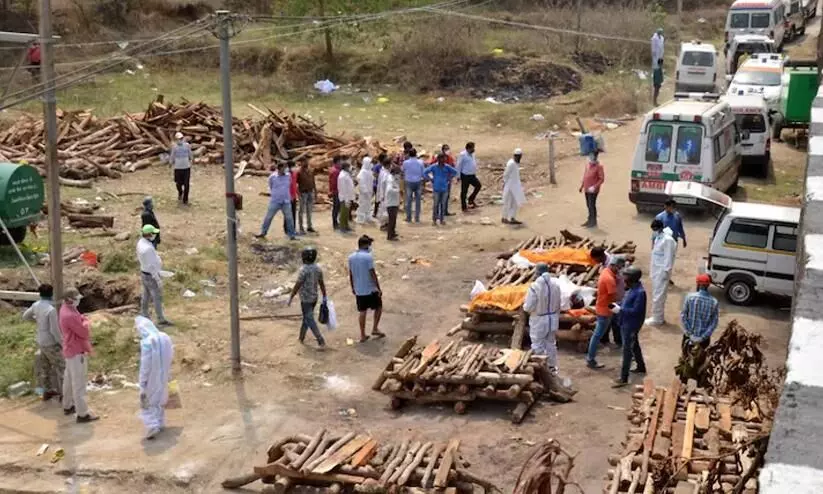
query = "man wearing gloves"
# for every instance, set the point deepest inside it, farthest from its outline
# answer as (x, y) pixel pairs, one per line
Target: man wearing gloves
(75, 328)
(631, 313)
(180, 157)
(513, 195)
(543, 305)
(156, 353)
(50, 363)
(150, 266)
(699, 317)
(365, 187)
(664, 247)
(346, 196)
(604, 309)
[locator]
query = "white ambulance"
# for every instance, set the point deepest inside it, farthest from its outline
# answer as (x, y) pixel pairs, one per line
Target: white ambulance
(765, 17)
(753, 119)
(696, 68)
(760, 75)
(692, 138)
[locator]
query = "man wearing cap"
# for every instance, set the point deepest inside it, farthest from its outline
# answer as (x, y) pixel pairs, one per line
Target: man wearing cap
(699, 317)
(365, 286)
(440, 175)
(147, 217)
(75, 328)
(150, 266)
(657, 62)
(180, 158)
(513, 195)
(543, 305)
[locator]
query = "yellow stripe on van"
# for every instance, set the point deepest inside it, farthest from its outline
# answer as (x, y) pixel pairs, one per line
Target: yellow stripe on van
(758, 249)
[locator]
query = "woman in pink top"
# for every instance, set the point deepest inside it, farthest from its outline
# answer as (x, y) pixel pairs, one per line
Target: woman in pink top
(593, 178)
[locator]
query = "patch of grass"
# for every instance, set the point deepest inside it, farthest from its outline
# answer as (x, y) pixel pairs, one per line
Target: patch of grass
(114, 346)
(10, 259)
(119, 261)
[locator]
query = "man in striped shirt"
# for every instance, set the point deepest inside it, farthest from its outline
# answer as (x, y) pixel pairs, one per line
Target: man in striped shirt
(699, 316)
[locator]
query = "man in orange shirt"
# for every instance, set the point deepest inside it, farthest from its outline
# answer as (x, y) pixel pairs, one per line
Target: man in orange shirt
(605, 308)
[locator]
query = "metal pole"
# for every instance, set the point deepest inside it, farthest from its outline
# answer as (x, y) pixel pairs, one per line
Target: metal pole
(224, 20)
(552, 178)
(579, 25)
(52, 166)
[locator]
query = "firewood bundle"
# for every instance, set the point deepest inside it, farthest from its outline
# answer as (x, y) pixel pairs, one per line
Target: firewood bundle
(90, 147)
(358, 463)
(683, 440)
(461, 372)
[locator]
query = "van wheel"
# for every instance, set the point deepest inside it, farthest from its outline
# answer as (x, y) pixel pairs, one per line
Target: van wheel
(777, 127)
(18, 234)
(740, 291)
(764, 167)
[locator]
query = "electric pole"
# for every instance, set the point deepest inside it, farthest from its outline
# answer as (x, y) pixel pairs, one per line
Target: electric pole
(225, 31)
(52, 166)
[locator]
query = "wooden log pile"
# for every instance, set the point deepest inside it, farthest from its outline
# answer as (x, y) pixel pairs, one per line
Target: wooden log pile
(682, 440)
(91, 147)
(359, 463)
(461, 372)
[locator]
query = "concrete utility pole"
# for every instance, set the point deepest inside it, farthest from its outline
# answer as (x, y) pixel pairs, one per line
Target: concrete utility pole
(52, 166)
(224, 33)
(552, 178)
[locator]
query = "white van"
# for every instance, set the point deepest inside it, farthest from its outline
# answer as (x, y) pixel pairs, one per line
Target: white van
(760, 75)
(692, 138)
(746, 45)
(752, 117)
(696, 68)
(753, 246)
(765, 17)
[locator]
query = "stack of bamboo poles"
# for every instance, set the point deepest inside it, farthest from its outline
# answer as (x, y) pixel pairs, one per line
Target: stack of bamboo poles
(358, 463)
(684, 440)
(461, 372)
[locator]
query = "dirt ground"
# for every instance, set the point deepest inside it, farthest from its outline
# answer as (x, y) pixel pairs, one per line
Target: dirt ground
(227, 424)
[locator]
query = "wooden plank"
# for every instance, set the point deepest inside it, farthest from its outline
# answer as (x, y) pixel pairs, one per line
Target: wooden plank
(342, 454)
(404, 350)
(521, 321)
(669, 408)
(684, 488)
(442, 476)
(429, 353)
(648, 388)
(513, 359)
(661, 447)
(365, 453)
(273, 469)
(688, 433)
(438, 448)
(26, 296)
(725, 423)
(648, 444)
(678, 429)
(701, 419)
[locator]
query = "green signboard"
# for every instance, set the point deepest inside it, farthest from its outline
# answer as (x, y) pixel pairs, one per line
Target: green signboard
(21, 194)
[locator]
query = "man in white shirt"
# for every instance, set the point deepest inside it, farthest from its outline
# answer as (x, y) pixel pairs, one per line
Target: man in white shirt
(180, 157)
(365, 186)
(513, 195)
(346, 195)
(392, 200)
(49, 364)
(150, 266)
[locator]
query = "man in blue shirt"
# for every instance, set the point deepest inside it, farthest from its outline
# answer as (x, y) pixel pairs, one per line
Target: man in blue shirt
(413, 175)
(366, 286)
(632, 313)
(673, 220)
(440, 176)
(467, 168)
(280, 200)
(700, 315)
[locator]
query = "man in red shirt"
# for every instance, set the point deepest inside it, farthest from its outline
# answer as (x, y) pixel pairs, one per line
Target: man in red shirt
(293, 195)
(593, 178)
(603, 308)
(33, 59)
(335, 200)
(76, 350)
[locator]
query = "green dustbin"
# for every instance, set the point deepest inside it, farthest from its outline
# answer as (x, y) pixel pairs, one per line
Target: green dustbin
(21, 198)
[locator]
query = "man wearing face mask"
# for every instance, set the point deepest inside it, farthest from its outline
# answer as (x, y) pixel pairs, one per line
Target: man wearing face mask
(76, 350)
(156, 353)
(150, 266)
(664, 247)
(181, 157)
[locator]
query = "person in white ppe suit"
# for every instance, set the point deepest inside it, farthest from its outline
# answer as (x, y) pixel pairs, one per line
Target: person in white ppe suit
(365, 188)
(513, 195)
(543, 305)
(382, 180)
(156, 353)
(664, 247)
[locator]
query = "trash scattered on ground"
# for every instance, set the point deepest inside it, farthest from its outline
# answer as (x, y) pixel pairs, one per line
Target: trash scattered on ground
(382, 99)
(191, 251)
(205, 368)
(166, 274)
(616, 408)
(538, 117)
(19, 389)
(189, 294)
(58, 455)
(347, 412)
(325, 86)
(404, 277)
(421, 261)
(122, 236)
(208, 283)
(349, 342)
(43, 448)
(491, 99)
(485, 221)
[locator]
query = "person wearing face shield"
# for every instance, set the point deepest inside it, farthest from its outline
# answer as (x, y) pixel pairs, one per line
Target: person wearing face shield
(150, 266)
(75, 329)
(156, 353)
(543, 306)
(664, 247)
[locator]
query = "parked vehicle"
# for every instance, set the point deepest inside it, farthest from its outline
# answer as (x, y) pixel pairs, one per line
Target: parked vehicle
(759, 75)
(795, 22)
(799, 85)
(764, 17)
(746, 45)
(692, 138)
(753, 246)
(753, 122)
(696, 68)
(21, 199)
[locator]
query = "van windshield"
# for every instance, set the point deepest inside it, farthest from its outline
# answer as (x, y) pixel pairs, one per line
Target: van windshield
(757, 77)
(698, 59)
(659, 142)
(754, 48)
(752, 122)
(739, 21)
(688, 145)
(760, 20)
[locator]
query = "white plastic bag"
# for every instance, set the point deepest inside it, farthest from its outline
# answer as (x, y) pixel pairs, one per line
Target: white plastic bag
(477, 289)
(332, 324)
(520, 261)
(325, 86)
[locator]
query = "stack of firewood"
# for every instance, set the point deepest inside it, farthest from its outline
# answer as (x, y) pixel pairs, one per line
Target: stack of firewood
(90, 147)
(461, 372)
(683, 440)
(358, 463)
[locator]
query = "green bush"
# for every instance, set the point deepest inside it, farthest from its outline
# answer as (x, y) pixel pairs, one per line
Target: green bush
(119, 261)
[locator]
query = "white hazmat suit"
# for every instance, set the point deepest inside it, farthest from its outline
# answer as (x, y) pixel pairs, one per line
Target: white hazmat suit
(365, 188)
(657, 43)
(543, 305)
(663, 251)
(156, 353)
(513, 195)
(382, 180)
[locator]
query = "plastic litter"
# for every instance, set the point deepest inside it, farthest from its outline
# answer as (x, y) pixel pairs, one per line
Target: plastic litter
(325, 86)
(477, 289)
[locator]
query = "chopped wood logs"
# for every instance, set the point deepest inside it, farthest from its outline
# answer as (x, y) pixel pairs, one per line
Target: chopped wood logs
(461, 372)
(358, 463)
(91, 147)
